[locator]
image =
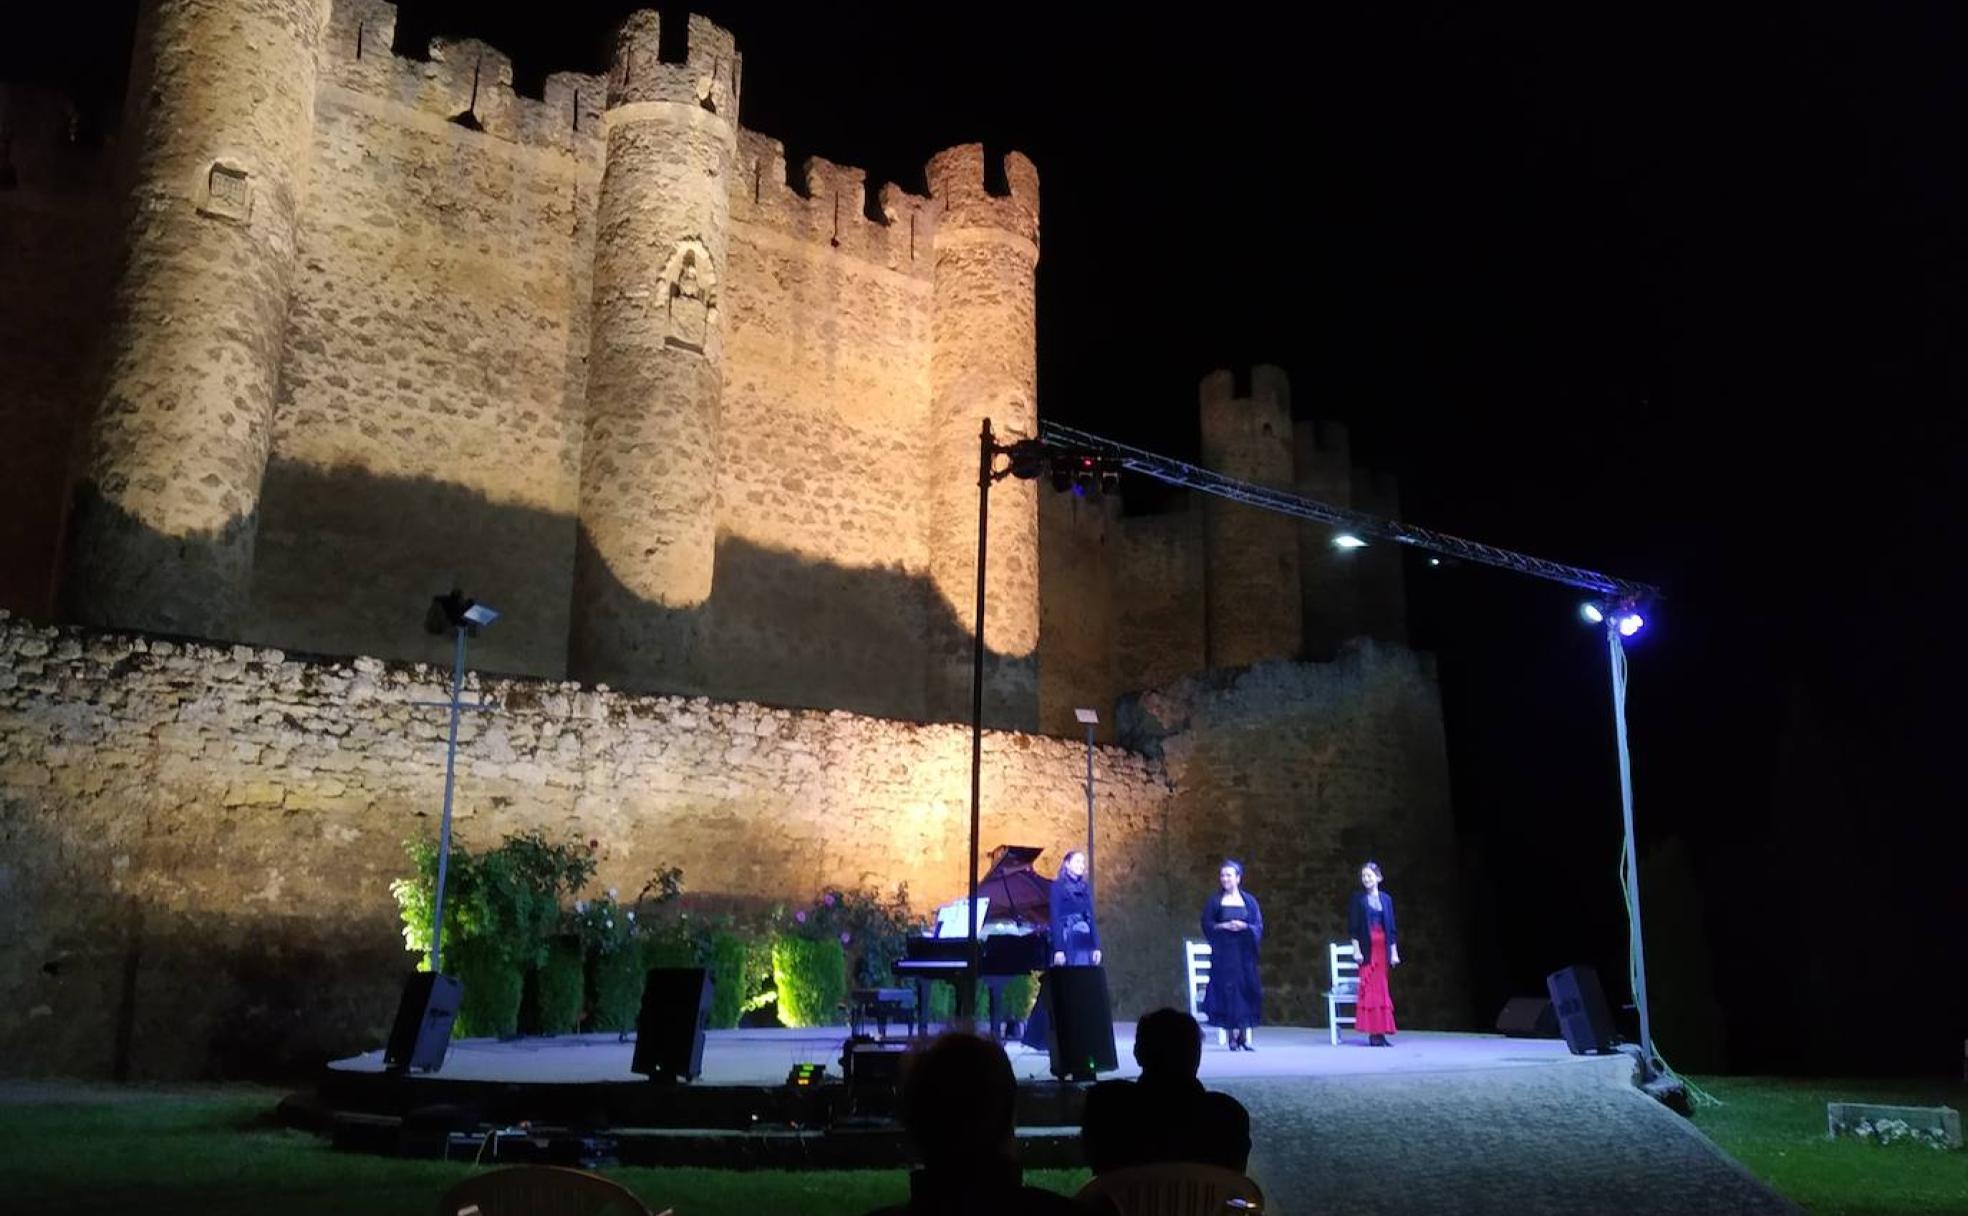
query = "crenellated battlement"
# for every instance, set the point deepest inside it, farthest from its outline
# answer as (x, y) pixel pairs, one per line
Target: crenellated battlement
(1264, 384)
(40, 143)
(463, 80)
(964, 201)
(708, 76)
(824, 203)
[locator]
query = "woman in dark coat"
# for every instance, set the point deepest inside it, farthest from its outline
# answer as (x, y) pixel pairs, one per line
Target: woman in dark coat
(1234, 926)
(1377, 946)
(1075, 939)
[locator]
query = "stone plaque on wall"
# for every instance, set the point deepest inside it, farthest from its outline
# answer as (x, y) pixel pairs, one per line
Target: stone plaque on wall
(228, 193)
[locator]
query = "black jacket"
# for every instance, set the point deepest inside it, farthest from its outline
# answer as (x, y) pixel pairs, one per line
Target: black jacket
(1155, 1121)
(1072, 903)
(1357, 926)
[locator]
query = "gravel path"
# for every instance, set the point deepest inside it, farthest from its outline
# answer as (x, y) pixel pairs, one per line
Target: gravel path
(1522, 1142)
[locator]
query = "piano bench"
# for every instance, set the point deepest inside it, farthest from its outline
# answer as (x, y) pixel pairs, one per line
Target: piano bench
(881, 1004)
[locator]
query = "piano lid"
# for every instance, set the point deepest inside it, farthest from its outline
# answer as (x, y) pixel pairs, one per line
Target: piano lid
(1015, 889)
(1007, 858)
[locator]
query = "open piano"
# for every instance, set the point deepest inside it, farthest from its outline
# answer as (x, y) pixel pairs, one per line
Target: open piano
(1015, 932)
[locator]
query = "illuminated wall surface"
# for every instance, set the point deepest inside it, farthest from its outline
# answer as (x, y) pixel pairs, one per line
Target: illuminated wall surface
(201, 839)
(320, 331)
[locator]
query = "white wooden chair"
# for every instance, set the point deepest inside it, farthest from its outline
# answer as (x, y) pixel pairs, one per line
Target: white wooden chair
(1342, 988)
(1196, 958)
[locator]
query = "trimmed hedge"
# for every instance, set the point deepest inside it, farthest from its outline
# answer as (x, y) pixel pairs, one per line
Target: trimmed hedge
(728, 952)
(494, 984)
(811, 978)
(1021, 992)
(615, 989)
(558, 987)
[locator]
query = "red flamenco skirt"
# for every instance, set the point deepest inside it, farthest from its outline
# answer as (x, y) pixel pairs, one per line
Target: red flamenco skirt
(1375, 1012)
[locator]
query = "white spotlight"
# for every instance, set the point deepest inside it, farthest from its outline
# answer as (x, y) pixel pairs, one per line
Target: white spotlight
(1591, 613)
(1346, 540)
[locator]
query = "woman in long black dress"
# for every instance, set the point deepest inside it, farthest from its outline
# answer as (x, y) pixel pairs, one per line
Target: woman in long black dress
(1234, 926)
(1075, 939)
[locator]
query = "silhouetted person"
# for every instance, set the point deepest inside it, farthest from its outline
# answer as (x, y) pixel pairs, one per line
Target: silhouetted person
(958, 1099)
(1166, 1116)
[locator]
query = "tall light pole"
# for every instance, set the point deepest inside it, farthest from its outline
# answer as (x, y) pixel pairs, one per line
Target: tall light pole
(1623, 621)
(463, 617)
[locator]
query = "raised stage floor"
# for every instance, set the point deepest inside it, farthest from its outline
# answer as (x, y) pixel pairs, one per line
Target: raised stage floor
(741, 1113)
(763, 1057)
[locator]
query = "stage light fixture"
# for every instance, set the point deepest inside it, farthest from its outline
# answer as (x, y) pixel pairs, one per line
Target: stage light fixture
(455, 610)
(1631, 624)
(1592, 613)
(1027, 459)
(1346, 540)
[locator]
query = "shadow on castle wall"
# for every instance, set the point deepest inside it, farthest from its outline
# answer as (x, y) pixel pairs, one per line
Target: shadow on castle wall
(348, 560)
(132, 989)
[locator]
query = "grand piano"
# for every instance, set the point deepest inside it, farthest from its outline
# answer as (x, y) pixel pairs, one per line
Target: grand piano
(1016, 933)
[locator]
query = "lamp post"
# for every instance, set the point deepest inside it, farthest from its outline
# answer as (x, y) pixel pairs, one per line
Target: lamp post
(1089, 719)
(463, 617)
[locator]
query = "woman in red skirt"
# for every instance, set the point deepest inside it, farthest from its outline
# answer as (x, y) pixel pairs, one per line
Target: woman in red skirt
(1377, 946)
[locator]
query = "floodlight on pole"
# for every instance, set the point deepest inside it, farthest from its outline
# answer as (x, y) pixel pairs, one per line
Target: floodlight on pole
(462, 617)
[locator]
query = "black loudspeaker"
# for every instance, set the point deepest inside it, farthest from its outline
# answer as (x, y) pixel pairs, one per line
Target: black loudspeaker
(422, 1031)
(1528, 1017)
(1580, 1005)
(1082, 1022)
(676, 1003)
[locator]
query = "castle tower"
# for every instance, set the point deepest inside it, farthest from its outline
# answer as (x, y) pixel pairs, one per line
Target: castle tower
(1252, 595)
(983, 364)
(221, 122)
(648, 510)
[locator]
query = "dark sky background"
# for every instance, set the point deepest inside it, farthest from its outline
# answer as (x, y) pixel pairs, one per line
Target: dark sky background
(1677, 295)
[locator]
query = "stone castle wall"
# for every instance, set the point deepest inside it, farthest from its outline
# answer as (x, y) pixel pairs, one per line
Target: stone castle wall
(397, 394)
(1303, 771)
(200, 839)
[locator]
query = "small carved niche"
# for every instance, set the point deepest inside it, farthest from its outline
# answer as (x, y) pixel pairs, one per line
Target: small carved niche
(691, 286)
(228, 193)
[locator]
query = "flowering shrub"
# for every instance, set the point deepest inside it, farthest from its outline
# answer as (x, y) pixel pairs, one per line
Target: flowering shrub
(872, 931)
(1897, 1131)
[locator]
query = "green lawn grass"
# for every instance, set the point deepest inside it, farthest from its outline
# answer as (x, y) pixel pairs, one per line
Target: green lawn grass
(77, 1151)
(1776, 1127)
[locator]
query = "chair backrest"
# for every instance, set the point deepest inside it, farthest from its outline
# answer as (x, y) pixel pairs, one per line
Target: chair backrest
(1179, 1189)
(1345, 968)
(1196, 958)
(540, 1190)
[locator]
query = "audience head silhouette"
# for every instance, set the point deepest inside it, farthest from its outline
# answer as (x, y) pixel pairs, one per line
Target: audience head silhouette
(1168, 1042)
(958, 1103)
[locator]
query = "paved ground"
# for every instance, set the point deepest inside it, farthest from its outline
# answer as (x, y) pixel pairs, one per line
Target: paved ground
(1439, 1124)
(1522, 1142)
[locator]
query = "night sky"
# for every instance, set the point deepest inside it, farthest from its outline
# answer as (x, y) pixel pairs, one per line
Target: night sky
(1676, 296)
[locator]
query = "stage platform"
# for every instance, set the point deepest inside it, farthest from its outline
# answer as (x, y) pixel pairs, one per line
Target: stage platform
(741, 1113)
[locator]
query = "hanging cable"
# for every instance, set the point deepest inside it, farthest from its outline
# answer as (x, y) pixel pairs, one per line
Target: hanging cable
(1629, 877)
